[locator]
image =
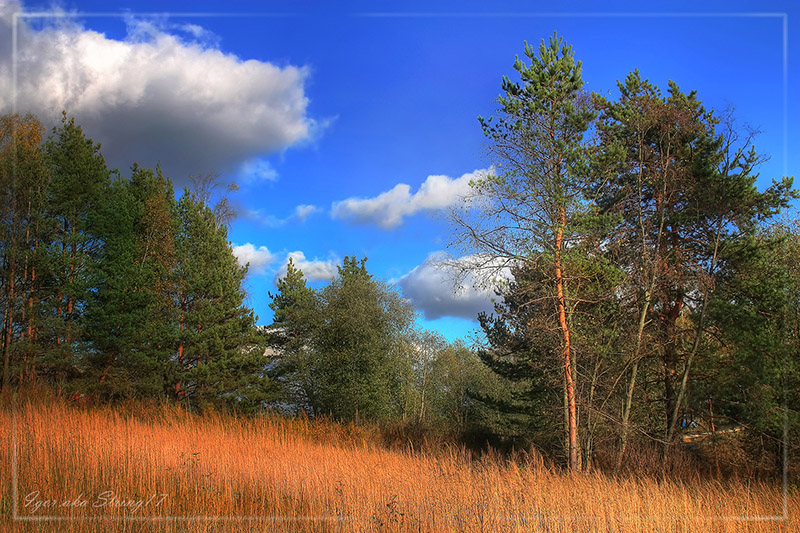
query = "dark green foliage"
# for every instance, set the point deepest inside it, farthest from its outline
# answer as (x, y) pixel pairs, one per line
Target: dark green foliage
(684, 186)
(24, 179)
(132, 320)
(751, 375)
(296, 309)
(648, 288)
(104, 283)
(539, 145)
(641, 229)
(538, 217)
(341, 346)
(218, 353)
(524, 352)
(79, 187)
(362, 319)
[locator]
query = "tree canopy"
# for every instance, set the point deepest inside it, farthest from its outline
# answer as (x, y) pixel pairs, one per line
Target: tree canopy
(626, 223)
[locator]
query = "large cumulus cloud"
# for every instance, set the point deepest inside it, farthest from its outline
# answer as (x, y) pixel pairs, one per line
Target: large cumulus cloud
(462, 287)
(160, 95)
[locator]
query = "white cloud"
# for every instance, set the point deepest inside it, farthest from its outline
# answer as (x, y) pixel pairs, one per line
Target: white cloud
(314, 270)
(259, 258)
(438, 287)
(164, 94)
(388, 209)
(262, 217)
(200, 34)
(256, 169)
(303, 211)
(300, 214)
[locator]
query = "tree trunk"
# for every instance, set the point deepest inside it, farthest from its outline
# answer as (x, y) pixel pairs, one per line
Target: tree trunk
(626, 413)
(71, 280)
(588, 447)
(182, 327)
(698, 334)
(572, 417)
(670, 360)
(8, 323)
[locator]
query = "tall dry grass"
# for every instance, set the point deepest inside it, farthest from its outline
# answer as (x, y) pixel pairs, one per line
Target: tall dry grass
(118, 470)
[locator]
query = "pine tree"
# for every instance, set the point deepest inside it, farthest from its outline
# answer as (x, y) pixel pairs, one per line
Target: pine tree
(131, 320)
(221, 361)
(534, 212)
(23, 185)
(749, 376)
(296, 309)
(686, 193)
(80, 185)
(522, 350)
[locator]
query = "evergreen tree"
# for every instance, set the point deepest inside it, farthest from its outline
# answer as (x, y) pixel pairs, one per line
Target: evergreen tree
(131, 321)
(218, 353)
(356, 346)
(23, 186)
(750, 376)
(80, 185)
(534, 213)
(686, 193)
(291, 335)
(522, 350)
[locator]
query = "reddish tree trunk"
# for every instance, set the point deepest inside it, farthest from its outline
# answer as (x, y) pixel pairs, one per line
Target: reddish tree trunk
(572, 414)
(7, 325)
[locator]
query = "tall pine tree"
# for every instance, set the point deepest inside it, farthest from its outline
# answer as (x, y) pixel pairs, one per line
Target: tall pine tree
(685, 190)
(79, 187)
(290, 337)
(219, 355)
(534, 212)
(132, 317)
(23, 186)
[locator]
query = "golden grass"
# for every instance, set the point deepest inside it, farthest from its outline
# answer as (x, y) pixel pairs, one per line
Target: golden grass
(223, 473)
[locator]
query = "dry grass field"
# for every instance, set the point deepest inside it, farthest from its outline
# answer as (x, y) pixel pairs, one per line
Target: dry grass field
(98, 469)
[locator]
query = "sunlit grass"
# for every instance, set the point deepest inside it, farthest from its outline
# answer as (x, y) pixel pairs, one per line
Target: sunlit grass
(170, 470)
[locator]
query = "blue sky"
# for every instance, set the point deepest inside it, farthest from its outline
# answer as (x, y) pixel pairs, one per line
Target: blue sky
(352, 126)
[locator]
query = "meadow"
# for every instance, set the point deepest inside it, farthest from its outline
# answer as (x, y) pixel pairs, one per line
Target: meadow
(130, 468)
